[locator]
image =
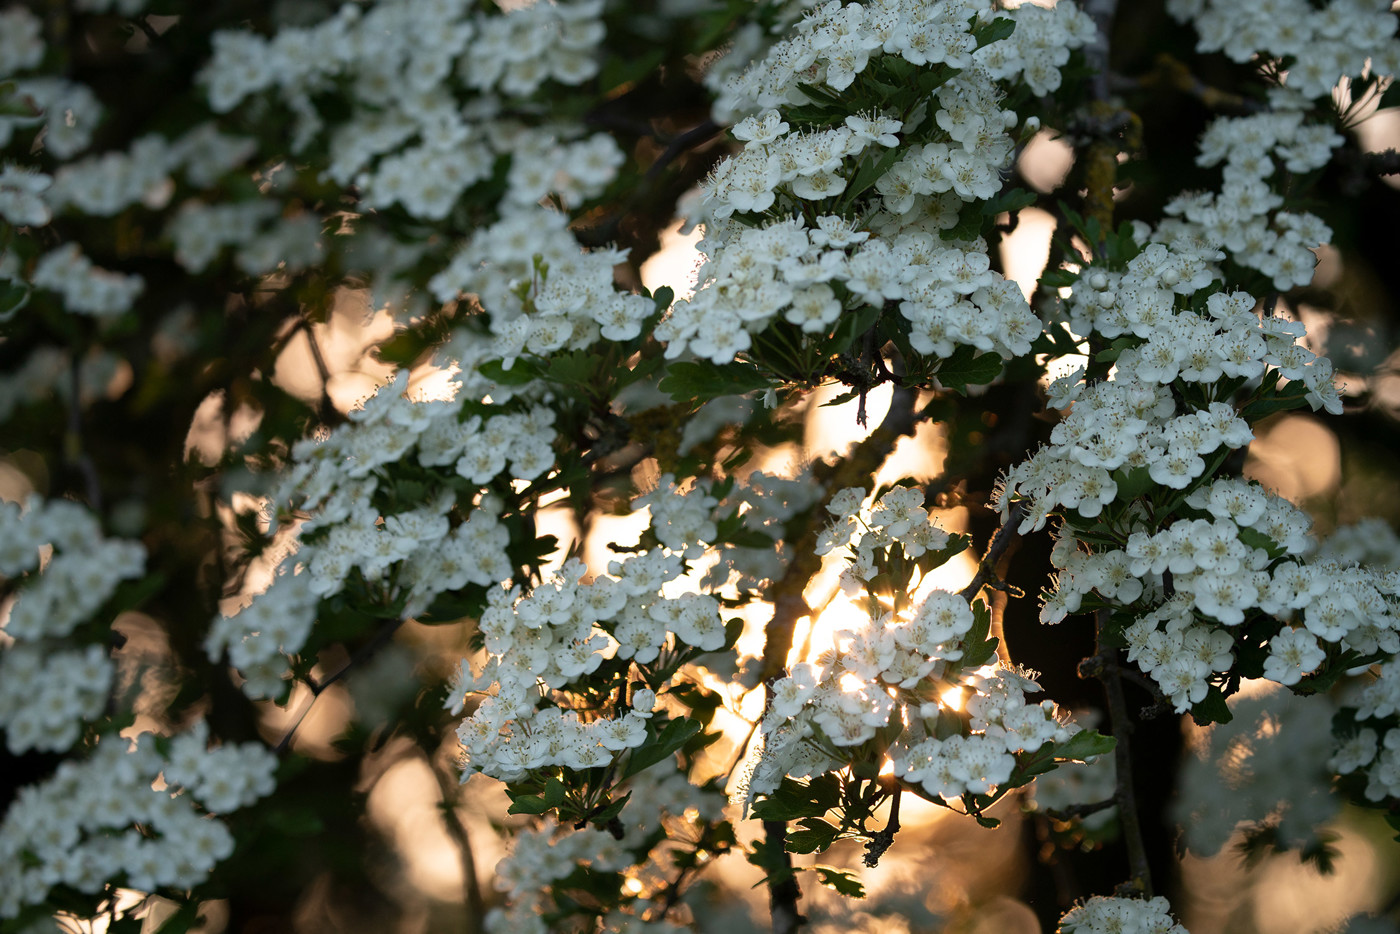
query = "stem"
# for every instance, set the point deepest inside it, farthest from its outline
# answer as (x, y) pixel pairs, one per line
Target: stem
(1001, 541)
(783, 892)
(1140, 879)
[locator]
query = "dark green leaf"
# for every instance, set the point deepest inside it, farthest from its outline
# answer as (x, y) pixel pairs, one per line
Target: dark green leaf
(661, 746)
(527, 804)
(697, 382)
(1212, 708)
(994, 31)
(841, 880)
(816, 834)
(965, 368)
(872, 166)
(1085, 745)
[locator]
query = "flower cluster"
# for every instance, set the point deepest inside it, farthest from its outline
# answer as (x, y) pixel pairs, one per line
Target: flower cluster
(564, 630)
(886, 689)
(428, 80)
(812, 221)
(1266, 769)
(48, 693)
(1246, 216)
(417, 553)
(1327, 42)
(543, 294)
(1102, 915)
(105, 818)
(549, 854)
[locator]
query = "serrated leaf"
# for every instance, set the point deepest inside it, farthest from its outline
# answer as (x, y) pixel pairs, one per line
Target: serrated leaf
(1085, 745)
(613, 809)
(872, 167)
(1009, 201)
(965, 368)
(1212, 708)
(816, 834)
(696, 382)
(1289, 397)
(527, 804)
(554, 793)
(969, 224)
(662, 746)
(1058, 278)
(841, 880)
(995, 31)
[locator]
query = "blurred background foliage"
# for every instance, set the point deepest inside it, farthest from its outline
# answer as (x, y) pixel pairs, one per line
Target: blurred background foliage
(158, 419)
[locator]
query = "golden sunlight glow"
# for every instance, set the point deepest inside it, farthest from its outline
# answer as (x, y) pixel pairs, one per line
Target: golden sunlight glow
(633, 885)
(677, 262)
(953, 698)
(851, 682)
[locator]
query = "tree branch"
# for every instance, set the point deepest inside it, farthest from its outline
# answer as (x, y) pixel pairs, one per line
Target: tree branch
(1108, 672)
(471, 889)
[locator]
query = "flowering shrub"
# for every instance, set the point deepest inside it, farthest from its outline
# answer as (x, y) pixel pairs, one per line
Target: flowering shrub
(598, 500)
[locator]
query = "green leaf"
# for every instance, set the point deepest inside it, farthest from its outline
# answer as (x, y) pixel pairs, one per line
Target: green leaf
(850, 327)
(697, 382)
(929, 560)
(527, 804)
(661, 746)
(518, 375)
(966, 368)
(1058, 278)
(614, 808)
(977, 648)
(13, 297)
(795, 799)
(843, 881)
(1212, 708)
(1289, 397)
(1133, 482)
(554, 793)
(1009, 201)
(1085, 745)
(1257, 539)
(969, 225)
(994, 31)
(872, 167)
(816, 834)
(574, 368)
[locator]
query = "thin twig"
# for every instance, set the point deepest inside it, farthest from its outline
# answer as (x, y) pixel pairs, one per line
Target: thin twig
(362, 654)
(987, 568)
(75, 450)
(691, 138)
(1081, 810)
(471, 888)
(328, 410)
